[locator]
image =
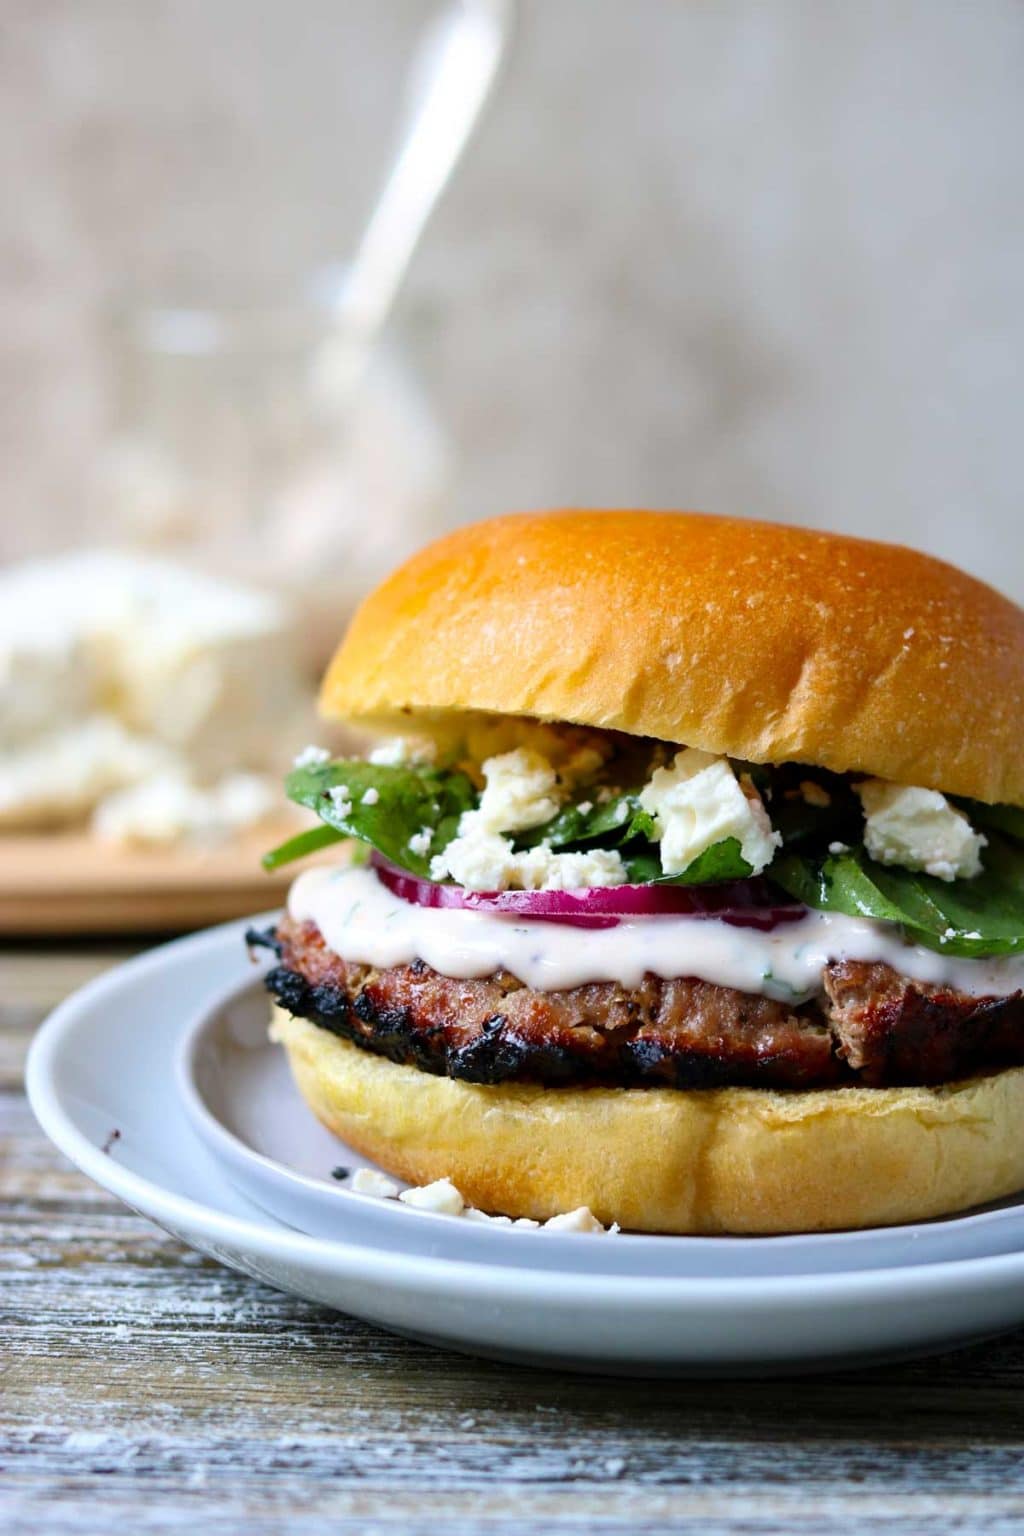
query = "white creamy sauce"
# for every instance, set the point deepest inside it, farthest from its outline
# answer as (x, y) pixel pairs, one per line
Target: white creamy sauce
(363, 921)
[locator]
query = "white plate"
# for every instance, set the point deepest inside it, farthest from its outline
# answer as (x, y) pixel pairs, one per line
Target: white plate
(241, 1101)
(105, 1060)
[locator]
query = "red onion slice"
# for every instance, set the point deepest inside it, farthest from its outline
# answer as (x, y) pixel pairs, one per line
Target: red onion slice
(743, 903)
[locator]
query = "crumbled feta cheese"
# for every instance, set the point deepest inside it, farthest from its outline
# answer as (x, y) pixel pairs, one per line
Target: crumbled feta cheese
(481, 861)
(341, 800)
(243, 799)
(169, 808)
(815, 795)
(575, 752)
(698, 802)
(367, 1181)
(580, 1220)
(370, 796)
(390, 754)
(441, 1196)
(60, 777)
(539, 869)
(838, 847)
(198, 675)
(919, 829)
(400, 750)
(585, 807)
(311, 757)
(420, 842)
(521, 791)
(46, 674)
(485, 861)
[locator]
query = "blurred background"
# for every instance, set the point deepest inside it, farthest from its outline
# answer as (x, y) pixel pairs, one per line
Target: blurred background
(749, 258)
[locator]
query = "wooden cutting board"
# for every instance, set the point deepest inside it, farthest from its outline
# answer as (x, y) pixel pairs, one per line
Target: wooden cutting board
(67, 882)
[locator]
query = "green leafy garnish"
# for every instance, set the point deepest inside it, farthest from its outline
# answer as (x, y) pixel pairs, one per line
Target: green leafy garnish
(983, 916)
(623, 823)
(403, 802)
(411, 812)
(722, 861)
(302, 844)
(616, 822)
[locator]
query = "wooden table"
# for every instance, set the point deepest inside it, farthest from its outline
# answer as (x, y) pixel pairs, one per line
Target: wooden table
(146, 1389)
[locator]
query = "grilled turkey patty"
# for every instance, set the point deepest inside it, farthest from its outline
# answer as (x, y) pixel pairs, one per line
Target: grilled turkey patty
(869, 1025)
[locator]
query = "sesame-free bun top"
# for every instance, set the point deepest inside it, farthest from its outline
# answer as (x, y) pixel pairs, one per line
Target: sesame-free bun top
(767, 643)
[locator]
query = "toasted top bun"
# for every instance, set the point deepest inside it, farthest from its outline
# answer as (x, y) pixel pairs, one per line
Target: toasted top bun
(763, 642)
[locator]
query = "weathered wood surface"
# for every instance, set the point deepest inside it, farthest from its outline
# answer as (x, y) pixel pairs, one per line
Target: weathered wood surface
(146, 1389)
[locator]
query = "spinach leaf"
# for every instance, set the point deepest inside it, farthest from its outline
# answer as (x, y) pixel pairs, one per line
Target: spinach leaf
(614, 823)
(623, 823)
(973, 918)
(403, 801)
(310, 841)
(722, 861)
(643, 864)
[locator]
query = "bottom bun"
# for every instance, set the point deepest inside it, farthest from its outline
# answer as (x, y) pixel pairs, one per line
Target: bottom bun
(671, 1160)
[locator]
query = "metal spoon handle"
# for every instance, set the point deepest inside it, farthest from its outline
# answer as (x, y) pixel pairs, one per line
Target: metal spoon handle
(456, 69)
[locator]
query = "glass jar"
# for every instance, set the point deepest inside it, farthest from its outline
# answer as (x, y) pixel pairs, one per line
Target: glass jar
(230, 449)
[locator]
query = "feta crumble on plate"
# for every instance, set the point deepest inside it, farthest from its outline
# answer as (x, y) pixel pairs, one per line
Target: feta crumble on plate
(442, 1198)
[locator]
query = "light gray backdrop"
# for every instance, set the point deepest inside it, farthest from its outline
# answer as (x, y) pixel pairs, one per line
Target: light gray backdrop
(745, 256)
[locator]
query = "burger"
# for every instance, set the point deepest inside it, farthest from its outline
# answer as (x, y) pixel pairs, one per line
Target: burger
(683, 878)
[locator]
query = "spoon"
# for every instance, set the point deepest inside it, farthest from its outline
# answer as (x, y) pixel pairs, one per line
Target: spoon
(452, 77)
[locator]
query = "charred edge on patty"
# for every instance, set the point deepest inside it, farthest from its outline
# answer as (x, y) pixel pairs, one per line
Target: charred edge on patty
(870, 1025)
(262, 938)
